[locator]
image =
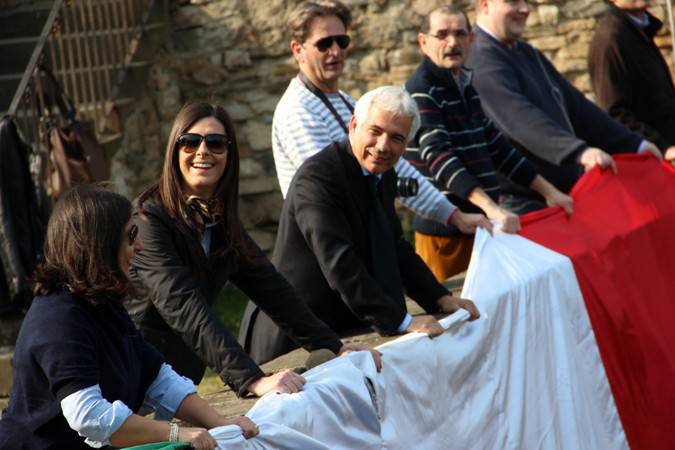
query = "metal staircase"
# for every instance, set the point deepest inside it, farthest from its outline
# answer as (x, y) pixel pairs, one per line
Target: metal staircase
(99, 50)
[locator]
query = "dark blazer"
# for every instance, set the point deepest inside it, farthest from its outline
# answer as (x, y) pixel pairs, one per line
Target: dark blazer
(548, 119)
(176, 314)
(630, 78)
(323, 250)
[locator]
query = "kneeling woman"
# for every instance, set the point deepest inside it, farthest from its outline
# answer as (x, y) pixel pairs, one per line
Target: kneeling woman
(194, 244)
(81, 369)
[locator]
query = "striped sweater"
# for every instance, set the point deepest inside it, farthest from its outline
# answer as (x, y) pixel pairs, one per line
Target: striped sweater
(458, 147)
(302, 126)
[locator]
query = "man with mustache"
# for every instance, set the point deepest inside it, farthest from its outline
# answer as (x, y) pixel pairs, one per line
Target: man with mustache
(548, 119)
(631, 80)
(340, 241)
(457, 146)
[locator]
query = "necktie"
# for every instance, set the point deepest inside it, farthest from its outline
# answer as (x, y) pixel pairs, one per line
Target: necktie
(382, 247)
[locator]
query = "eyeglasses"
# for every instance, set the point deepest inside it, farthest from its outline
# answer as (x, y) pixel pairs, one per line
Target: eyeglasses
(443, 35)
(132, 234)
(324, 44)
(216, 142)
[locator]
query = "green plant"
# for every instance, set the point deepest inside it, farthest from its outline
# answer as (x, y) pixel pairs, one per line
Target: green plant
(229, 307)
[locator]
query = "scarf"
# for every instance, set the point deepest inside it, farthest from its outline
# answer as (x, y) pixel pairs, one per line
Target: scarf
(201, 212)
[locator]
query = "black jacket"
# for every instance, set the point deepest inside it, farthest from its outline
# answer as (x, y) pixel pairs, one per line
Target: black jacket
(176, 314)
(323, 250)
(630, 78)
(548, 119)
(22, 220)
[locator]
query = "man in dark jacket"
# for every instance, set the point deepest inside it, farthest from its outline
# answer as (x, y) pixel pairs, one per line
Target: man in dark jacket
(340, 242)
(457, 146)
(552, 123)
(631, 80)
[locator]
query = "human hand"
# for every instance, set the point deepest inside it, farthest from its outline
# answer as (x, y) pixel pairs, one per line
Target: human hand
(357, 347)
(557, 198)
(449, 304)
(670, 154)
(467, 222)
(510, 221)
(199, 438)
(651, 149)
(286, 382)
(593, 156)
(425, 324)
(248, 428)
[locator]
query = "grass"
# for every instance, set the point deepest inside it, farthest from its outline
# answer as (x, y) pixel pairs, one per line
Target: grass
(229, 307)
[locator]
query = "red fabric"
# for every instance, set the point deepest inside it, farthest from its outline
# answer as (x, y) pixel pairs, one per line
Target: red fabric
(621, 240)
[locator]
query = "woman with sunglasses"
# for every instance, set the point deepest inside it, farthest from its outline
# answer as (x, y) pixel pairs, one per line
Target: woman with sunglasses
(194, 244)
(81, 369)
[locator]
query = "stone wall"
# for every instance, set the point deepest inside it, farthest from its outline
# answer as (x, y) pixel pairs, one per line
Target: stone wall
(236, 53)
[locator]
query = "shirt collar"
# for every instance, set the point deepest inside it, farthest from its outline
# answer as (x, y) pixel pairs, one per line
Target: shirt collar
(445, 75)
(642, 21)
(494, 36)
(367, 174)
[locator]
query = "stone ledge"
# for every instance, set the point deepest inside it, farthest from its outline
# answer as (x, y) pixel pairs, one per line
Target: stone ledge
(6, 355)
(227, 403)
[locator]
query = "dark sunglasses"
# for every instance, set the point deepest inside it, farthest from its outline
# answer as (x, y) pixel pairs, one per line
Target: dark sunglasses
(132, 234)
(216, 142)
(324, 44)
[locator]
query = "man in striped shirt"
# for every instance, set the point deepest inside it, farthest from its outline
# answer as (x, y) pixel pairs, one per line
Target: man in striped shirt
(458, 147)
(313, 112)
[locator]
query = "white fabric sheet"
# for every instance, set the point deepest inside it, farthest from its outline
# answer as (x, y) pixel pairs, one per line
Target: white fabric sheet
(526, 375)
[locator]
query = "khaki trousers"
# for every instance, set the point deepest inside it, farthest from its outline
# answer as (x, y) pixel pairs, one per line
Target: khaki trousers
(445, 255)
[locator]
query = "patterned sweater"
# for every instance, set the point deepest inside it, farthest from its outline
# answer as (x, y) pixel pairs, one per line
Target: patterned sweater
(457, 147)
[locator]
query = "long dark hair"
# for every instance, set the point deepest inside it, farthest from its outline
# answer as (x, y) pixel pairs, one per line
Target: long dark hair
(168, 191)
(81, 249)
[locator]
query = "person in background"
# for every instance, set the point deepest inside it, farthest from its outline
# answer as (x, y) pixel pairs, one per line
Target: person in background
(630, 78)
(194, 243)
(553, 124)
(458, 147)
(81, 369)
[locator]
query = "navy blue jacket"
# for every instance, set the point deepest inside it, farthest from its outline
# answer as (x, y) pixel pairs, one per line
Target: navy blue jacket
(548, 118)
(66, 345)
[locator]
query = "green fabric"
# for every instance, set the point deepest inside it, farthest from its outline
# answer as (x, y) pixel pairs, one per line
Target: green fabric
(161, 446)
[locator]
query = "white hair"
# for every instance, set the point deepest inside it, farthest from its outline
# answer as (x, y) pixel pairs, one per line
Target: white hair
(389, 98)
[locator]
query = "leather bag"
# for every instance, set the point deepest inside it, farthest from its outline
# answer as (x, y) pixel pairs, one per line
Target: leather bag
(74, 153)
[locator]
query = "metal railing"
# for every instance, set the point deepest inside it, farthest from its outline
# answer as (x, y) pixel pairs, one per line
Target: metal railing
(89, 46)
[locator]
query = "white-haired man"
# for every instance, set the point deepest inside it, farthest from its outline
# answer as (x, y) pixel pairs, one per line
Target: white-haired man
(340, 242)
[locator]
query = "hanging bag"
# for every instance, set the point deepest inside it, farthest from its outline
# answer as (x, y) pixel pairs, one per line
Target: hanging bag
(74, 154)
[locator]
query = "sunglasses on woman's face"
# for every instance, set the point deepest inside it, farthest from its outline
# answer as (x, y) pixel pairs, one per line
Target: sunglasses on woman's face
(216, 142)
(324, 44)
(132, 234)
